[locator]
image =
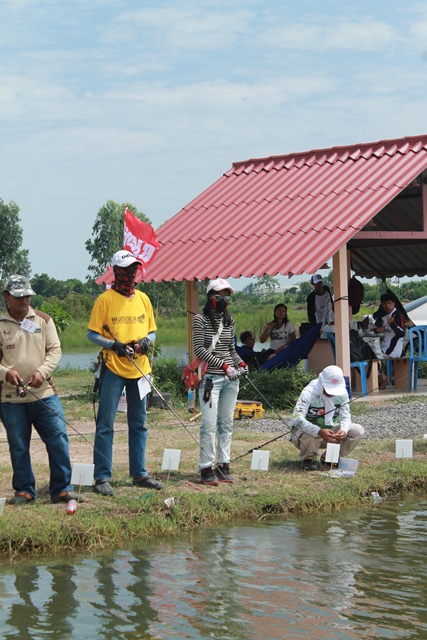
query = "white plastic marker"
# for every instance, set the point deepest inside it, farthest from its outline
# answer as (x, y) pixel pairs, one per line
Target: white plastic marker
(260, 460)
(82, 474)
(2, 502)
(171, 459)
(403, 448)
(332, 453)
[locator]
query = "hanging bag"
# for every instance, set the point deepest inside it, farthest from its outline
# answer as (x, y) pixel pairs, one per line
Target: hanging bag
(193, 373)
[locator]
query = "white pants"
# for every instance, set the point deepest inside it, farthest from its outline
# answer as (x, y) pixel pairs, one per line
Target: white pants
(217, 420)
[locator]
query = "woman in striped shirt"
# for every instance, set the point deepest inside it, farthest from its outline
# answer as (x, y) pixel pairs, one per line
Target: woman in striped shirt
(214, 343)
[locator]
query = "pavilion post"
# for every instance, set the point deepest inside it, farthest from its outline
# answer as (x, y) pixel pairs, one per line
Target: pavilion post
(192, 293)
(341, 310)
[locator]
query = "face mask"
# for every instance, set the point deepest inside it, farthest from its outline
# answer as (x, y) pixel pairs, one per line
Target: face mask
(219, 306)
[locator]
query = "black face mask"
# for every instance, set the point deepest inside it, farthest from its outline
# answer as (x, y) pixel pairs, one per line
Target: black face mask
(220, 306)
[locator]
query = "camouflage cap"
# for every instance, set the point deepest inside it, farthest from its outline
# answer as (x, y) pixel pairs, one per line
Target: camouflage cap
(19, 286)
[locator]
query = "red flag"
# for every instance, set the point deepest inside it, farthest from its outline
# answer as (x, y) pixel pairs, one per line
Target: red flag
(139, 238)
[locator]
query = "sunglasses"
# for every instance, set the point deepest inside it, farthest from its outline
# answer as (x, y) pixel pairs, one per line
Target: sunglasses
(218, 298)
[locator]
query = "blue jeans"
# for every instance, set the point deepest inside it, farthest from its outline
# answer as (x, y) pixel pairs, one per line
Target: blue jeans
(217, 420)
(110, 390)
(47, 416)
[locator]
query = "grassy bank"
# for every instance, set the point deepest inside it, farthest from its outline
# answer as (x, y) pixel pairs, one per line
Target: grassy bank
(135, 513)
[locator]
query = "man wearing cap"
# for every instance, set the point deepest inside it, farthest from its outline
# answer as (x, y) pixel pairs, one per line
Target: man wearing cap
(320, 304)
(214, 343)
(322, 415)
(29, 352)
(122, 324)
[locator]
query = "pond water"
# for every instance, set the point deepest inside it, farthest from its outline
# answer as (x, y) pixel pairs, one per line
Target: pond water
(84, 359)
(360, 574)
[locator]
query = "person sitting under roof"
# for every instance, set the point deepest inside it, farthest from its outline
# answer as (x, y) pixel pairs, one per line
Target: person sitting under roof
(252, 358)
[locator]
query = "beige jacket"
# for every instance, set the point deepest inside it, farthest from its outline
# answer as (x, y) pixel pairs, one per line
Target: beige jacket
(28, 351)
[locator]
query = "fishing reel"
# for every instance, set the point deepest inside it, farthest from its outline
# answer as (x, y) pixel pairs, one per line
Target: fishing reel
(21, 390)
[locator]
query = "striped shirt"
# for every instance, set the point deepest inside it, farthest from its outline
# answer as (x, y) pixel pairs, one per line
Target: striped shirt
(225, 348)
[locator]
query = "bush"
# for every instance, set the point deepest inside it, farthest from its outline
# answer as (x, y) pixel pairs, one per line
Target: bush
(167, 377)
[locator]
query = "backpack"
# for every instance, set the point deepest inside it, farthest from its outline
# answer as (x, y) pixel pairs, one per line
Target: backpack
(360, 351)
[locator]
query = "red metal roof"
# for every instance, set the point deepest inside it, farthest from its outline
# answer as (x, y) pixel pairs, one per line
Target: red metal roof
(285, 214)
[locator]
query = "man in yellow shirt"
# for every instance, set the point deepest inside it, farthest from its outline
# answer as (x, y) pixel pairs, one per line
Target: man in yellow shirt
(122, 323)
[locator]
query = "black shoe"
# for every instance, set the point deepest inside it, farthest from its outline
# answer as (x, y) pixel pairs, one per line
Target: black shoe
(222, 472)
(208, 476)
(147, 482)
(66, 496)
(310, 464)
(104, 488)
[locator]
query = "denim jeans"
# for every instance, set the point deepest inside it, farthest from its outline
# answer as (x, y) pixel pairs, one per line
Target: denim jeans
(47, 416)
(217, 420)
(110, 390)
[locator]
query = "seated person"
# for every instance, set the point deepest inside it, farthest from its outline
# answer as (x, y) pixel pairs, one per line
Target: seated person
(252, 358)
(320, 304)
(280, 330)
(390, 322)
(322, 415)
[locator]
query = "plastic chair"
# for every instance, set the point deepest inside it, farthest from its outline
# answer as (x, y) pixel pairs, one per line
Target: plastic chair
(361, 366)
(417, 341)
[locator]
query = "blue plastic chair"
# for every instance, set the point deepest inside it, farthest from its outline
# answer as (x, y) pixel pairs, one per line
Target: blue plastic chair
(417, 341)
(361, 366)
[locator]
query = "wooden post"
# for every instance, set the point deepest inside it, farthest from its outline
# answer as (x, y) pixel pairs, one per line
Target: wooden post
(341, 310)
(192, 293)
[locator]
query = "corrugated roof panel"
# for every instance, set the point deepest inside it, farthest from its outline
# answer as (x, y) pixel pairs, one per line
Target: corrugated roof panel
(286, 213)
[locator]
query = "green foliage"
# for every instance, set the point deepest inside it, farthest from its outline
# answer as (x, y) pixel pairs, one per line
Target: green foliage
(168, 298)
(13, 259)
(167, 377)
(107, 234)
(61, 318)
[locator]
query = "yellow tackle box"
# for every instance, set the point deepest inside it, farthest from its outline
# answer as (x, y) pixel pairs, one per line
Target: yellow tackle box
(248, 409)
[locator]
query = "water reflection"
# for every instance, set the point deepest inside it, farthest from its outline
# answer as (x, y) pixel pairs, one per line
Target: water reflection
(347, 576)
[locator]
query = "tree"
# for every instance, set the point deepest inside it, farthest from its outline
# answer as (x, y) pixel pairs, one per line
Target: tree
(13, 259)
(107, 235)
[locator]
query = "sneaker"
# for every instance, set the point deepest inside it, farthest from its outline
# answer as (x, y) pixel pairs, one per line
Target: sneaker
(148, 482)
(222, 472)
(66, 496)
(21, 498)
(208, 476)
(310, 464)
(103, 487)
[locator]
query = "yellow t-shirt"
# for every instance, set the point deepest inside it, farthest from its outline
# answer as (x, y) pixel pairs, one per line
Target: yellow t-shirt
(129, 319)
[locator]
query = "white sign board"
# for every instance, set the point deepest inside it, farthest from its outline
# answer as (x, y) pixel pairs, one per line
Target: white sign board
(260, 460)
(332, 453)
(82, 474)
(171, 459)
(403, 448)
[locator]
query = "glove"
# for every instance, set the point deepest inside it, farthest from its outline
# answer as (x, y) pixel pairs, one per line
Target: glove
(145, 344)
(244, 367)
(231, 373)
(121, 349)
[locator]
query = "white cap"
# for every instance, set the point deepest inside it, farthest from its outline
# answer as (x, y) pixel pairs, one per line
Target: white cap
(332, 379)
(316, 278)
(124, 258)
(219, 285)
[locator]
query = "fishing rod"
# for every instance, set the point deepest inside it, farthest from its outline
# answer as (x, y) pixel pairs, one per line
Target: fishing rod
(130, 354)
(22, 390)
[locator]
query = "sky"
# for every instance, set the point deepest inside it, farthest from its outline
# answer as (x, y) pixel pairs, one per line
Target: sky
(151, 102)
